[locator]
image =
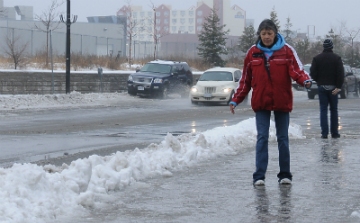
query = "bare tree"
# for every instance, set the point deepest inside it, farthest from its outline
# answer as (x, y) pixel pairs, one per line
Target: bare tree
(130, 28)
(158, 31)
(48, 20)
(15, 48)
(2, 12)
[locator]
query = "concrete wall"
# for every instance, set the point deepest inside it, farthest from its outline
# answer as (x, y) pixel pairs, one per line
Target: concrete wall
(25, 82)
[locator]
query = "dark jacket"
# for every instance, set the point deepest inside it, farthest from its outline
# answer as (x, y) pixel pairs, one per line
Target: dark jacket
(272, 89)
(327, 69)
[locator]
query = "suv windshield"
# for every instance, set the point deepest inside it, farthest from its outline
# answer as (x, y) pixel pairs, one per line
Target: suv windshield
(156, 68)
(216, 76)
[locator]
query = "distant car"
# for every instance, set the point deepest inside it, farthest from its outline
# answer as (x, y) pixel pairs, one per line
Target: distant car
(216, 85)
(160, 77)
(350, 84)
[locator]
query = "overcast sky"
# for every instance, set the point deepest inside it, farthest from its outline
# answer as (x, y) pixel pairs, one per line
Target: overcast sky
(321, 14)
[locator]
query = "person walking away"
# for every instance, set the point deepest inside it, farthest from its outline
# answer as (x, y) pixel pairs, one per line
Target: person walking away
(327, 70)
(269, 66)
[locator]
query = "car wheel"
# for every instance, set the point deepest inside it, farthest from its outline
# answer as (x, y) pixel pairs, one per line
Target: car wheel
(311, 95)
(186, 91)
(164, 93)
(131, 92)
(344, 92)
(357, 93)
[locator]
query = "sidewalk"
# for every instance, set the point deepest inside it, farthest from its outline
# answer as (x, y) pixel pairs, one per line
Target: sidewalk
(325, 189)
(325, 184)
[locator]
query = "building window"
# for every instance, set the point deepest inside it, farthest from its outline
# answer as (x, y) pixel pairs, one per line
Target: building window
(182, 13)
(173, 29)
(191, 28)
(174, 13)
(157, 21)
(134, 14)
(158, 13)
(199, 20)
(166, 21)
(191, 13)
(142, 14)
(182, 21)
(150, 14)
(199, 28)
(191, 20)
(174, 21)
(182, 28)
(199, 13)
(166, 13)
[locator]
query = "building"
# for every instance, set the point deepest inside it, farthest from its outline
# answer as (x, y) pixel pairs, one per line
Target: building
(172, 29)
(101, 36)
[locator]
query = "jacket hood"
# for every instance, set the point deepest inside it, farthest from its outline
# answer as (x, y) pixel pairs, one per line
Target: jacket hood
(277, 46)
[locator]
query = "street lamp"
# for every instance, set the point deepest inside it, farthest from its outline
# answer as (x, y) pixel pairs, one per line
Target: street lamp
(68, 23)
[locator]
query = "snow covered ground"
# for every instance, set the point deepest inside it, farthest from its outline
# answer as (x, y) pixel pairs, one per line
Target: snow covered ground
(32, 193)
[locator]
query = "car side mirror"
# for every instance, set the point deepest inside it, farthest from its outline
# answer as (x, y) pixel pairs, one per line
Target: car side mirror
(237, 79)
(137, 70)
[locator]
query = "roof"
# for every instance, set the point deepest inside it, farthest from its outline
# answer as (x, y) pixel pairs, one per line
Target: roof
(166, 61)
(230, 69)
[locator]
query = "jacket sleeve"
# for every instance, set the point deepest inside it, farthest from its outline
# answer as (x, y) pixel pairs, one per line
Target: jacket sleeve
(339, 73)
(296, 69)
(313, 70)
(245, 82)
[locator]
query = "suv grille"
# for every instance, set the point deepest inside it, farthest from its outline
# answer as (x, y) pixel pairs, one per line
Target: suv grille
(210, 89)
(146, 80)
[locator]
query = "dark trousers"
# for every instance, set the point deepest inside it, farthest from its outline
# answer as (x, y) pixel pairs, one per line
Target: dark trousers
(326, 99)
(282, 128)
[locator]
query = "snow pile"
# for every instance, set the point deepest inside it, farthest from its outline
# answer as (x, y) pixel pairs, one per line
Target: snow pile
(74, 99)
(31, 193)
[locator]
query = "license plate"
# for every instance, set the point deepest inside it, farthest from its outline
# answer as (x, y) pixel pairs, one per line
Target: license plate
(140, 88)
(207, 95)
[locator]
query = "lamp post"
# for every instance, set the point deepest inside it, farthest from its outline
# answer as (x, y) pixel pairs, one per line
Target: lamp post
(68, 23)
(333, 37)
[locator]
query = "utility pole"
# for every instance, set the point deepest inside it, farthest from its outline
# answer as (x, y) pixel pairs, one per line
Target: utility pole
(68, 23)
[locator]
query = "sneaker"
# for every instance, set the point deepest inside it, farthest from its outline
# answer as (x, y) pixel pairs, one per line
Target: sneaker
(335, 136)
(324, 137)
(285, 181)
(259, 183)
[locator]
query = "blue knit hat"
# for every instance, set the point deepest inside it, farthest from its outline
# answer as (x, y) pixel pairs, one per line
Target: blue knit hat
(328, 44)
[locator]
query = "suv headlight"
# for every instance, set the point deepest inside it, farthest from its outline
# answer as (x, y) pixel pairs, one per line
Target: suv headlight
(194, 89)
(227, 90)
(158, 81)
(130, 78)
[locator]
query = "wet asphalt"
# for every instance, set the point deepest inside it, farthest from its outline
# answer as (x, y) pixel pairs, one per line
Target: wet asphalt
(325, 183)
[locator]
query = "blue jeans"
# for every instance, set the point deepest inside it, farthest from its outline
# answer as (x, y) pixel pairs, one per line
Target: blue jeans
(326, 98)
(282, 120)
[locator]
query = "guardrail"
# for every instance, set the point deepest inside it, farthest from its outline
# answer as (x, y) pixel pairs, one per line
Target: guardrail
(47, 82)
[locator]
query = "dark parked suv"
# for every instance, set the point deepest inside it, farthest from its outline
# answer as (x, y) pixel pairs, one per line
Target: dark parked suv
(160, 77)
(350, 83)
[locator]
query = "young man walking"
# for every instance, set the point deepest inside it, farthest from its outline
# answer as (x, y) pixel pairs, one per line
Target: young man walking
(327, 70)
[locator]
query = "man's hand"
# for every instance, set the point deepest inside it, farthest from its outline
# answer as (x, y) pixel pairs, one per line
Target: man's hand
(335, 91)
(307, 84)
(232, 108)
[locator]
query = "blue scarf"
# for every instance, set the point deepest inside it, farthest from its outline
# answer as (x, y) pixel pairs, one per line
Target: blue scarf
(277, 46)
